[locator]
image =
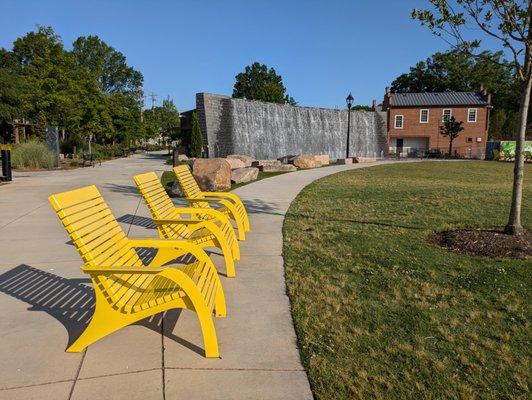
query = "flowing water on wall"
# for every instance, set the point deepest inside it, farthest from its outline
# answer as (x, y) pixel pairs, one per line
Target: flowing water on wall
(266, 131)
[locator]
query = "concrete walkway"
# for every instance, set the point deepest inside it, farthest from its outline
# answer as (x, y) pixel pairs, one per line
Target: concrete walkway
(44, 299)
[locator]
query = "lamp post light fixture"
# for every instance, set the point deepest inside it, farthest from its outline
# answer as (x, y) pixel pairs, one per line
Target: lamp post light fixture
(349, 100)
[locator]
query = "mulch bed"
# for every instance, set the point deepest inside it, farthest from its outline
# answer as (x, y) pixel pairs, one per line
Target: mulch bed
(485, 243)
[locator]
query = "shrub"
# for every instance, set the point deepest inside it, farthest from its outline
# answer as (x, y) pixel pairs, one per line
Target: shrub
(196, 141)
(32, 155)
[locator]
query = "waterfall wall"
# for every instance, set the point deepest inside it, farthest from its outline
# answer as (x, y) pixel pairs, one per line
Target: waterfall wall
(267, 130)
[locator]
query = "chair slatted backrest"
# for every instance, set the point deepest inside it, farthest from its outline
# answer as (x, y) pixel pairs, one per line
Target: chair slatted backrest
(93, 228)
(187, 182)
(159, 203)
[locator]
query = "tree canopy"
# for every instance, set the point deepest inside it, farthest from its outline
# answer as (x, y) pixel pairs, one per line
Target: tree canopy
(90, 90)
(257, 82)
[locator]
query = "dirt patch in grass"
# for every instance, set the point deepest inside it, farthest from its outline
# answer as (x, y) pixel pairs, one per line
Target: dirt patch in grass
(485, 243)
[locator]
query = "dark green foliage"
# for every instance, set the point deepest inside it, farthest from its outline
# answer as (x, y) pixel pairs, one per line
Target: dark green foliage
(196, 141)
(87, 91)
(163, 120)
(257, 82)
(451, 129)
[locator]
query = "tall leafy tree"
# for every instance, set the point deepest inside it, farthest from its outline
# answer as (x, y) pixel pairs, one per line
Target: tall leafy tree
(164, 121)
(121, 84)
(258, 82)
(509, 23)
(196, 140)
(107, 65)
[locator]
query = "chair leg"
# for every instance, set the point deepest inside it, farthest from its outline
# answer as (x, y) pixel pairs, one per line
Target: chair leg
(104, 322)
(219, 302)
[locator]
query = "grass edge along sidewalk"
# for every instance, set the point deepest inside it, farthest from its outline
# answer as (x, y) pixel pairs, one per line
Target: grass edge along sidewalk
(381, 313)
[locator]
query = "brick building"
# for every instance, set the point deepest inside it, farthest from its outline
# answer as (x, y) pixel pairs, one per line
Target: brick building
(414, 121)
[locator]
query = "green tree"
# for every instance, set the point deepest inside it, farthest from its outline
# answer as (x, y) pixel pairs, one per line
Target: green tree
(107, 65)
(508, 22)
(451, 129)
(196, 140)
(257, 82)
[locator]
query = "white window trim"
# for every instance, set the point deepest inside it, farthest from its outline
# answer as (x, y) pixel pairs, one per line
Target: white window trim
(421, 113)
(443, 113)
(402, 122)
(476, 113)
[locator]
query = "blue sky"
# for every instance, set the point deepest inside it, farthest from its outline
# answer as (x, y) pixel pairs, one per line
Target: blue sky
(323, 49)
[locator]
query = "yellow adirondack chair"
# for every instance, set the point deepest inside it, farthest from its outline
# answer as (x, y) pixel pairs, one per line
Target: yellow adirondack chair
(214, 232)
(229, 203)
(125, 289)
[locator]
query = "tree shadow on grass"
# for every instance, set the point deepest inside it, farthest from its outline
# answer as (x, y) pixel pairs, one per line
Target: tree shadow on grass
(71, 302)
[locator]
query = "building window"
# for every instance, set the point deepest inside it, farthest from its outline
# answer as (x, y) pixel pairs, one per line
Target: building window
(472, 115)
(469, 139)
(424, 116)
(446, 115)
(398, 122)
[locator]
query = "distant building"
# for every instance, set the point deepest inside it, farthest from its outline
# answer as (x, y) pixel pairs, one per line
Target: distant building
(415, 119)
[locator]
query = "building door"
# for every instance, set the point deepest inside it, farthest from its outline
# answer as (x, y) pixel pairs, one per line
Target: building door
(399, 145)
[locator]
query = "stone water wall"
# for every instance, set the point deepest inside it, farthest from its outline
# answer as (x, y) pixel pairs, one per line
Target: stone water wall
(268, 130)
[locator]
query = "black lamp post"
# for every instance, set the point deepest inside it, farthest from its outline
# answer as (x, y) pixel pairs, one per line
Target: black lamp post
(349, 100)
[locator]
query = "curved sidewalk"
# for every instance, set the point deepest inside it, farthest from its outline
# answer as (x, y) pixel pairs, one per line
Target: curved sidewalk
(45, 299)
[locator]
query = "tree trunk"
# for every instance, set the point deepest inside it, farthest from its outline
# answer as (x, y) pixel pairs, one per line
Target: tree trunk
(514, 226)
(15, 133)
(450, 146)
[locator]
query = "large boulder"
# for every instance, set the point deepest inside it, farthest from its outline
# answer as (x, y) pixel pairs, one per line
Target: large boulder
(246, 174)
(306, 161)
(212, 174)
(323, 159)
(235, 163)
(344, 161)
(260, 164)
(247, 160)
(279, 168)
(365, 159)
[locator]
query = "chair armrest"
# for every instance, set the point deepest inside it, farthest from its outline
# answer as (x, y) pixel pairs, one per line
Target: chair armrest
(177, 221)
(171, 246)
(120, 269)
(211, 212)
(157, 243)
(209, 200)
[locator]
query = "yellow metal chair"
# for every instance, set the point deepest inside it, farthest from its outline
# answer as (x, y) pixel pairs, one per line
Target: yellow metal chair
(214, 232)
(125, 289)
(228, 203)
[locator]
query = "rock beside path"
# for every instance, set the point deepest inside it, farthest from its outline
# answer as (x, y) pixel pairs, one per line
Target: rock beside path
(306, 161)
(247, 160)
(246, 174)
(212, 174)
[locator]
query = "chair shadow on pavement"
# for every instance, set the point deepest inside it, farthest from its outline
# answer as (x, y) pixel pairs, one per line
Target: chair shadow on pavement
(71, 302)
(258, 206)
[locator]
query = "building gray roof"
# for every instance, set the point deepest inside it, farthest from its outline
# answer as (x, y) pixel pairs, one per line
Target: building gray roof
(439, 99)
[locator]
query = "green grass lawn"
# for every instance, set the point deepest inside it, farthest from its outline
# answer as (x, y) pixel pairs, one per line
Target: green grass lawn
(168, 178)
(380, 313)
